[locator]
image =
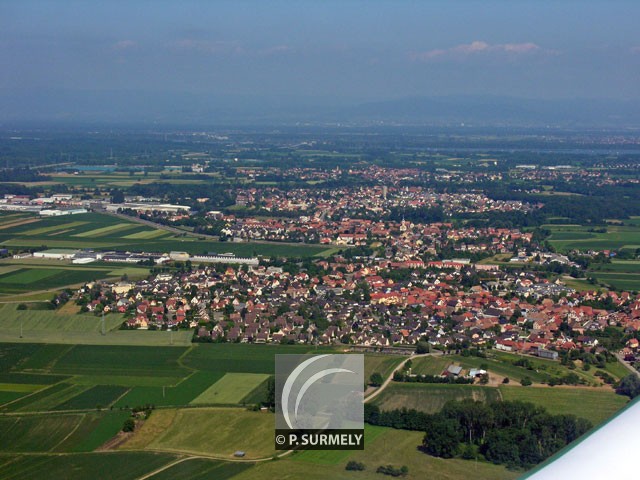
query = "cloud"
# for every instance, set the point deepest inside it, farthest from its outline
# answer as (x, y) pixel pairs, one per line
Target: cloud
(206, 46)
(277, 50)
(124, 44)
(477, 47)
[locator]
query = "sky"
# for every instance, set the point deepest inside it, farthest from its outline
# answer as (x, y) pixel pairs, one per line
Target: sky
(330, 52)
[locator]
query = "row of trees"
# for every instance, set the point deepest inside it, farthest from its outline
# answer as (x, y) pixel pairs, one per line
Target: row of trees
(516, 434)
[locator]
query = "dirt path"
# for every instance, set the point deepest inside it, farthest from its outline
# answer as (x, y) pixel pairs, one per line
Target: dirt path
(380, 389)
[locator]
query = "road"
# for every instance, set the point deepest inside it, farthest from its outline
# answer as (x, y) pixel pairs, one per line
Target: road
(629, 367)
(397, 369)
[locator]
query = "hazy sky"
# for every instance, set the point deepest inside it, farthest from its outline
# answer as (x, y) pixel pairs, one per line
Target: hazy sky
(350, 50)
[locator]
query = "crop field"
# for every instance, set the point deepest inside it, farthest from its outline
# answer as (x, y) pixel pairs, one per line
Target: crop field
(219, 432)
(568, 237)
(117, 360)
(234, 358)
(25, 276)
(181, 394)
(105, 232)
(430, 398)
(202, 469)
(230, 389)
(112, 466)
(620, 281)
(594, 405)
(383, 364)
(430, 365)
(31, 279)
(99, 396)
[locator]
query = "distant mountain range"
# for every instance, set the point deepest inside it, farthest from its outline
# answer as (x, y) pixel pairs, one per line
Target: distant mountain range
(154, 108)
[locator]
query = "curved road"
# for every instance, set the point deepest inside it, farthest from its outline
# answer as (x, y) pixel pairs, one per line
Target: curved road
(379, 390)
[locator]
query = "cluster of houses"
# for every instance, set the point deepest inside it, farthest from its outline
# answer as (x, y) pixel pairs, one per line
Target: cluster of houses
(356, 302)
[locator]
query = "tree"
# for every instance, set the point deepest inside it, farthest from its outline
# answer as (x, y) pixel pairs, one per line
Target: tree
(525, 382)
(376, 379)
(629, 385)
(117, 196)
(422, 347)
(354, 466)
(271, 392)
(129, 425)
(442, 437)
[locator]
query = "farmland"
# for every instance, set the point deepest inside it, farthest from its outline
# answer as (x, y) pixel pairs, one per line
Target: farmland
(21, 278)
(230, 389)
(48, 326)
(192, 431)
(568, 237)
(395, 447)
(105, 232)
(594, 405)
(113, 466)
(501, 364)
(430, 398)
(70, 381)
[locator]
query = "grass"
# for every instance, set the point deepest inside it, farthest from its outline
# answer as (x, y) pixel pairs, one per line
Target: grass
(232, 388)
(429, 365)
(11, 319)
(394, 447)
(430, 398)
(219, 432)
(152, 428)
(111, 466)
(333, 457)
(384, 364)
(594, 405)
(202, 469)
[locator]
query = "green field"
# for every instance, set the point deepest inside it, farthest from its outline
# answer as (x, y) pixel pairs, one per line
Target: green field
(49, 326)
(394, 447)
(69, 381)
(100, 396)
(384, 364)
(32, 279)
(230, 389)
(430, 398)
(569, 237)
(181, 394)
(431, 365)
(202, 469)
(237, 358)
(218, 432)
(112, 466)
(106, 232)
(594, 405)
